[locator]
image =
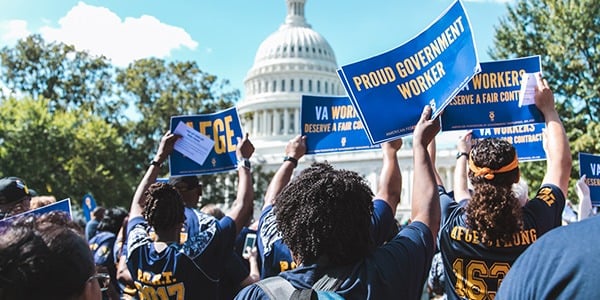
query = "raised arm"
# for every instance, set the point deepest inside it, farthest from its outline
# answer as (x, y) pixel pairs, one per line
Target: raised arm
(294, 150)
(461, 188)
(242, 207)
(558, 162)
(164, 150)
(585, 202)
(425, 205)
(390, 179)
(432, 150)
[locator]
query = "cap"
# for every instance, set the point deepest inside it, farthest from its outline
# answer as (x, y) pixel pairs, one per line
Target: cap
(184, 183)
(12, 190)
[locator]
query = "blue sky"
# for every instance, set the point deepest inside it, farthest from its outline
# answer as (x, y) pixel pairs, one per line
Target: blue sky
(223, 36)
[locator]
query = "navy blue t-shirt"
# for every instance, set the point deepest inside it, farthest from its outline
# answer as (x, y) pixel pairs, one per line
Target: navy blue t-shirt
(102, 246)
(563, 264)
(395, 270)
(190, 270)
(275, 256)
(473, 269)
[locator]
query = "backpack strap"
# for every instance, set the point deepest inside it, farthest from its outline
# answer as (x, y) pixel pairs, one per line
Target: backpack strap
(333, 278)
(276, 287)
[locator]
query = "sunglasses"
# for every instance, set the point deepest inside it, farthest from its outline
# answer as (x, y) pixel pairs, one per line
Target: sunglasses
(103, 280)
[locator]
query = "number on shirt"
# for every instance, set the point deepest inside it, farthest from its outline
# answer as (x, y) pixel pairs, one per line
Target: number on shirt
(470, 279)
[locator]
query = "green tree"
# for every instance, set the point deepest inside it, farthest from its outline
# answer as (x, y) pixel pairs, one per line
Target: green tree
(65, 154)
(566, 33)
(68, 78)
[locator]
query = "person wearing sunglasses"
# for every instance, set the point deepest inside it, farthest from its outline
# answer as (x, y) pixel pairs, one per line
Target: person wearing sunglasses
(46, 257)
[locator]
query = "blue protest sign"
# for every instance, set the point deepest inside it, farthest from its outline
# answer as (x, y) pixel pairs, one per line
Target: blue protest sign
(62, 205)
(223, 128)
(88, 203)
(589, 165)
(331, 124)
(491, 99)
(527, 139)
(390, 90)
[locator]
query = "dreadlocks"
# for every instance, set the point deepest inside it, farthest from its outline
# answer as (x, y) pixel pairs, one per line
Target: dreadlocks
(326, 212)
(494, 211)
(164, 208)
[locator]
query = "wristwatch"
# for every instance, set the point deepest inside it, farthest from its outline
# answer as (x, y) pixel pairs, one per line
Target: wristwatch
(459, 154)
(292, 159)
(155, 163)
(244, 162)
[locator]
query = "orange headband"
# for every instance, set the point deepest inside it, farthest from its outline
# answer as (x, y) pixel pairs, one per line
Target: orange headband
(488, 173)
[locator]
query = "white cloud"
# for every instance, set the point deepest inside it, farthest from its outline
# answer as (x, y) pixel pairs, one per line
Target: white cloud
(13, 30)
(101, 32)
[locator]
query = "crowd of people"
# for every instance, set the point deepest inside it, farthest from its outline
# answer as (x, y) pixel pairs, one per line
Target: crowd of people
(322, 232)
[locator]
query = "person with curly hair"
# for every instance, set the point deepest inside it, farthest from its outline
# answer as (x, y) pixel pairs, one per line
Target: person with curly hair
(325, 218)
(46, 257)
(485, 230)
(164, 268)
(274, 254)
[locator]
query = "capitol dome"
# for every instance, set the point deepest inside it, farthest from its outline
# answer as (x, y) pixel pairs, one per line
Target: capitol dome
(293, 61)
(295, 40)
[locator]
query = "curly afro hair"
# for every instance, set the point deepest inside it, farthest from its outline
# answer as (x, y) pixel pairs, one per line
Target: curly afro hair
(44, 257)
(164, 208)
(326, 213)
(494, 211)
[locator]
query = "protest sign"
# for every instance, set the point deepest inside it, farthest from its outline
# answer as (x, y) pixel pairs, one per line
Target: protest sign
(62, 205)
(491, 99)
(390, 90)
(331, 124)
(88, 203)
(527, 139)
(589, 165)
(223, 128)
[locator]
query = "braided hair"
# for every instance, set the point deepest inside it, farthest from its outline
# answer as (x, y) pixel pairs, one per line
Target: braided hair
(326, 213)
(164, 208)
(493, 210)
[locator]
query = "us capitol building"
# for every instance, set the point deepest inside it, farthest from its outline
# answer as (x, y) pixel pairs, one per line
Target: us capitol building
(296, 60)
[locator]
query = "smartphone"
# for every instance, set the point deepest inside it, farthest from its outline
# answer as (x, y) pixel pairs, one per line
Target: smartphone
(249, 242)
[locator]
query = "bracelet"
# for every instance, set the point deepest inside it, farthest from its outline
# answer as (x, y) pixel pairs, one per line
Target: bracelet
(460, 154)
(291, 159)
(244, 162)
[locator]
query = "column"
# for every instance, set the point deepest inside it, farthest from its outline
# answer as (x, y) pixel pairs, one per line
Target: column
(286, 121)
(297, 121)
(276, 121)
(264, 129)
(255, 123)
(269, 129)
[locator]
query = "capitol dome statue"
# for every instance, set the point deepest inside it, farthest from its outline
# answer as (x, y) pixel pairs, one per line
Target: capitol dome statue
(293, 61)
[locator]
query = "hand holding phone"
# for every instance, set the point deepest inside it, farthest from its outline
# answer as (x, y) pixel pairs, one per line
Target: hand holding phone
(249, 243)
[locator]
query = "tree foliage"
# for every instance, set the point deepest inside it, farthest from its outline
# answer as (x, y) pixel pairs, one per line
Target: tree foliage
(566, 33)
(67, 78)
(158, 90)
(65, 154)
(71, 123)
